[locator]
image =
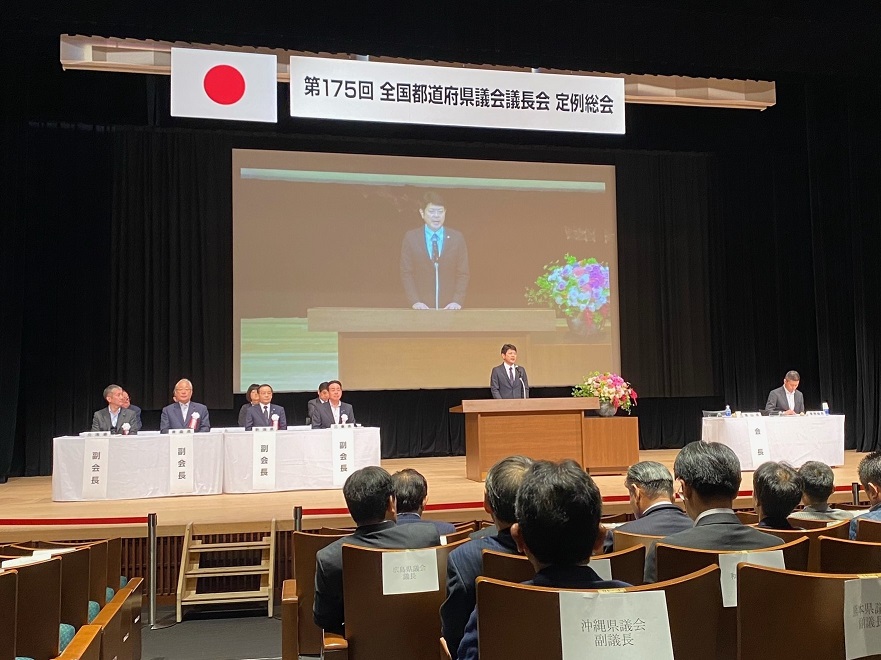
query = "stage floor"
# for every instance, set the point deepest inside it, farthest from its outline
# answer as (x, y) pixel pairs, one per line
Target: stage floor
(450, 497)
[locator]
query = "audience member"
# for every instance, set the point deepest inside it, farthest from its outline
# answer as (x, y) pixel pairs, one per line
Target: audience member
(776, 492)
(253, 398)
(323, 396)
(128, 405)
(184, 413)
(370, 496)
(818, 482)
(465, 563)
(708, 474)
(411, 492)
(558, 514)
(650, 486)
(114, 417)
(261, 413)
(869, 471)
(336, 411)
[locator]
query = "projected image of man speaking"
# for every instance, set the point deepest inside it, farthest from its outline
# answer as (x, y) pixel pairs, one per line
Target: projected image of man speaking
(434, 260)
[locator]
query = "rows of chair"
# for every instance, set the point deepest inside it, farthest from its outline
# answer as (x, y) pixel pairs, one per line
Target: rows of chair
(68, 601)
(774, 606)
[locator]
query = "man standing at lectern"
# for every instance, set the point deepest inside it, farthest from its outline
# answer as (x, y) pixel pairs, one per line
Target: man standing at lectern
(508, 380)
(434, 260)
(787, 399)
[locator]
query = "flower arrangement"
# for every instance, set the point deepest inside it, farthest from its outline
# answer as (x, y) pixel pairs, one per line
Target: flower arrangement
(577, 289)
(609, 388)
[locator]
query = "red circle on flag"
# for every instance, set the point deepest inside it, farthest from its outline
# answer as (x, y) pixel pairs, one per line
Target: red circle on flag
(224, 84)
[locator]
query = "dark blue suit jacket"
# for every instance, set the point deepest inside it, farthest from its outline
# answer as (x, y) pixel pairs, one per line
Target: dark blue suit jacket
(662, 520)
(464, 564)
(443, 528)
(172, 419)
(559, 577)
(255, 417)
(500, 384)
(324, 417)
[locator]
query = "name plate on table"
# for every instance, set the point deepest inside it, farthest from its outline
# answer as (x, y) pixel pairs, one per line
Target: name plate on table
(180, 461)
(619, 626)
(342, 440)
(758, 440)
(263, 466)
(96, 457)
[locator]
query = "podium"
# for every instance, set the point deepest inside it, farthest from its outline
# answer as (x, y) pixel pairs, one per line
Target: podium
(549, 429)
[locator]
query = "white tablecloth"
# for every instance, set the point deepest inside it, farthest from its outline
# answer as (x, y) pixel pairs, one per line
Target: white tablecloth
(303, 459)
(138, 467)
(794, 439)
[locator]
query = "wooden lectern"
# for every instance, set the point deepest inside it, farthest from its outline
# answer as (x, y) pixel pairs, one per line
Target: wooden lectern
(550, 429)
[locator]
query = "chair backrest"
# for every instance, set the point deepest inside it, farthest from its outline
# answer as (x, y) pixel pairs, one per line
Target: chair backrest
(844, 556)
(507, 567)
(39, 609)
(520, 621)
(471, 525)
(8, 606)
(457, 536)
(628, 565)
(868, 530)
(674, 561)
(85, 645)
(816, 632)
(624, 540)
(838, 530)
(306, 546)
(748, 517)
(115, 628)
(809, 523)
(334, 531)
(134, 603)
(844, 506)
(615, 518)
(374, 621)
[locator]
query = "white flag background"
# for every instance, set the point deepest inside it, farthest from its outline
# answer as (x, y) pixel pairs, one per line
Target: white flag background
(213, 84)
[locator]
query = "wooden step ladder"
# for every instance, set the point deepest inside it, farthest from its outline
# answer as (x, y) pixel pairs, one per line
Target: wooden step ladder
(191, 571)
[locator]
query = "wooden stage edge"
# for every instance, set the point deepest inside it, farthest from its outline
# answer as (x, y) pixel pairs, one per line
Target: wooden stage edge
(450, 497)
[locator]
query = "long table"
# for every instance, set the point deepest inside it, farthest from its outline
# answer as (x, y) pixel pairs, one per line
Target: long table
(794, 439)
(153, 465)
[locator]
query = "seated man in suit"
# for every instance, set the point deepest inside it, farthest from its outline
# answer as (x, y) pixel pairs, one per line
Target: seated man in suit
(335, 411)
(508, 380)
(370, 497)
(411, 492)
(787, 399)
(708, 474)
(184, 413)
(465, 563)
(558, 515)
(818, 483)
(114, 417)
(776, 492)
(650, 486)
(262, 412)
(322, 397)
(128, 405)
(869, 471)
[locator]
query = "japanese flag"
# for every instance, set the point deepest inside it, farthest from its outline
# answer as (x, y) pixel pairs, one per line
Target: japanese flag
(214, 84)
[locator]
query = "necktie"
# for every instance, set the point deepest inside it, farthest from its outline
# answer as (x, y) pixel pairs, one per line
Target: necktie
(435, 253)
(511, 374)
(183, 412)
(266, 412)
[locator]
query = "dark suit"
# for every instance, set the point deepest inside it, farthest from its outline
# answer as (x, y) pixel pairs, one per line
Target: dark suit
(173, 419)
(243, 414)
(255, 417)
(558, 577)
(137, 412)
(328, 608)
(417, 269)
(101, 421)
(464, 564)
(717, 531)
(500, 382)
(777, 401)
(443, 528)
(312, 407)
(662, 520)
(324, 419)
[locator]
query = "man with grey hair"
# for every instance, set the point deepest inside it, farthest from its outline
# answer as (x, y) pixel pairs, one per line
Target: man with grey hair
(184, 413)
(708, 475)
(818, 482)
(650, 486)
(787, 399)
(869, 471)
(465, 563)
(114, 417)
